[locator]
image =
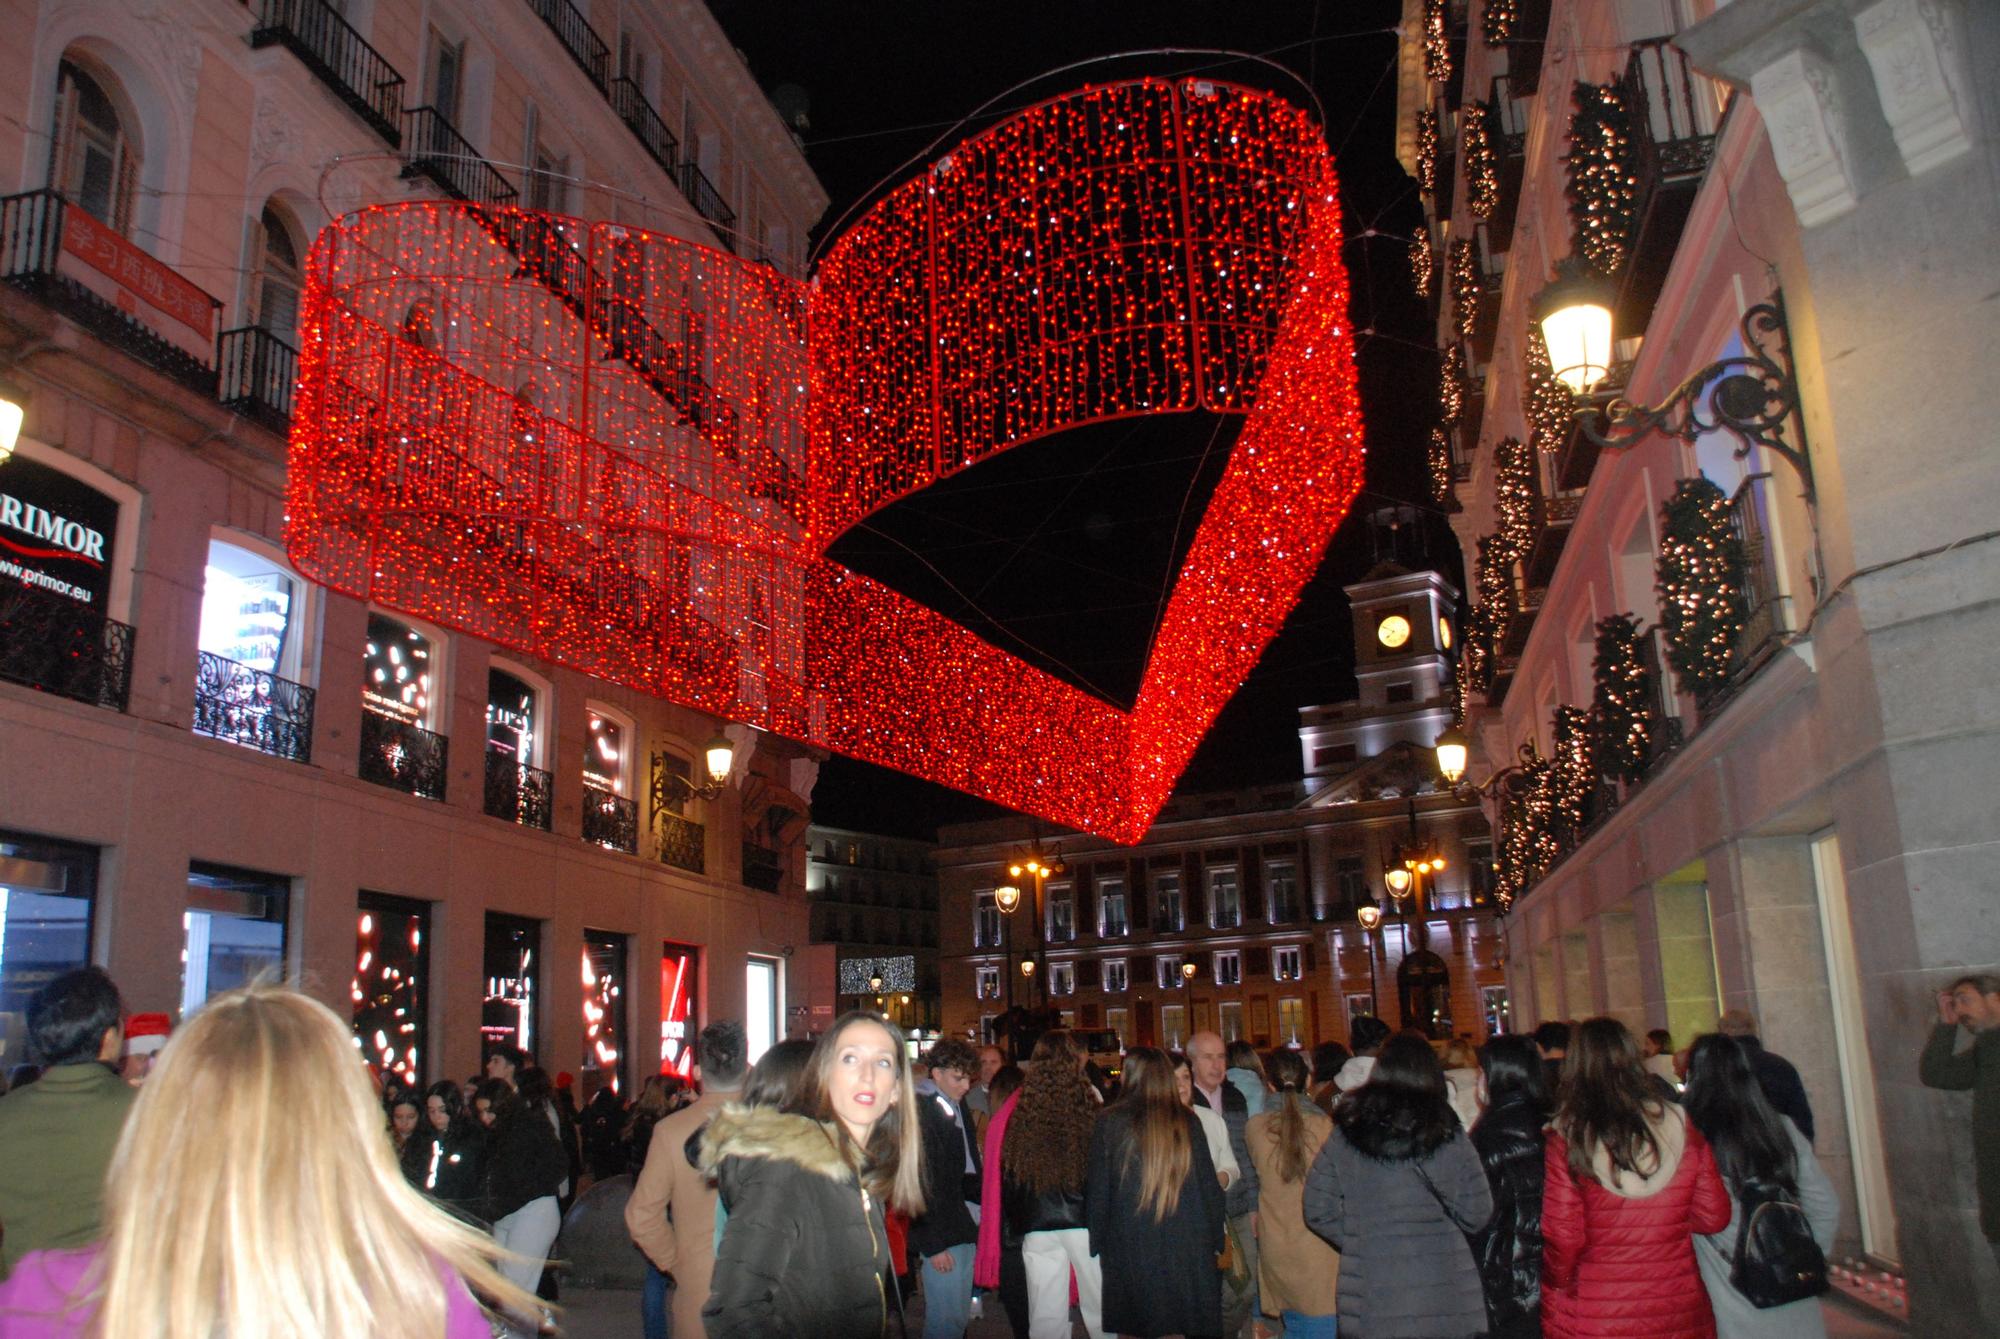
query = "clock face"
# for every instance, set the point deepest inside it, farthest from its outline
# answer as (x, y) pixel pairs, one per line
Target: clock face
(1393, 631)
(1444, 632)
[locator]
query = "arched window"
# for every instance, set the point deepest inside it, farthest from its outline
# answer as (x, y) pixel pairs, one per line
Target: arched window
(1423, 983)
(279, 276)
(93, 163)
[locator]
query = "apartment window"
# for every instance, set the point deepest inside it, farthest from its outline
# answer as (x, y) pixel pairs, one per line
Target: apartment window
(277, 275)
(1229, 1020)
(1169, 914)
(1360, 1006)
(252, 647)
(1062, 914)
(1062, 978)
(512, 715)
(987, 983)
(605, 738)
(396, 670)
(1229, 967)
(1112, 922)
(1285, 963)
(1291, 1022)
(985, 921)
(1281, 886)
(1479, 876)
(1115, 981)
(447, 76)
(1120, 1022)
(1493, 1005)
(1350, 881)
(1225, 899)
(1167, 971)
(1173, 1025)
(233, 928)
(391, 984)
(93, 163)
(548, 171)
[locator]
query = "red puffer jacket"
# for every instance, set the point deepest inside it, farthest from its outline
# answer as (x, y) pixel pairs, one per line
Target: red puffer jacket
(1622, 1266)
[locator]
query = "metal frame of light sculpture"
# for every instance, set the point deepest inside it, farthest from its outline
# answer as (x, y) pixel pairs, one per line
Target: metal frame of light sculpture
(627, 454)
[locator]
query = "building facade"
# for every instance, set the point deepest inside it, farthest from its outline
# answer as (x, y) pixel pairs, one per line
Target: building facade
(874, 899)
(219, 768)
(1730, 692)
(1259, 890)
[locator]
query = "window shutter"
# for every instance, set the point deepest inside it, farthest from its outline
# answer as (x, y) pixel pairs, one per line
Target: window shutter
(253, 280)
(1256, 961)
(121, 202)
(1087, 974)
(62, 144)
(1194, 889)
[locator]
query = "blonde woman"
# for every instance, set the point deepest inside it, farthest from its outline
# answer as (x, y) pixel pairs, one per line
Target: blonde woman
(253, 1196)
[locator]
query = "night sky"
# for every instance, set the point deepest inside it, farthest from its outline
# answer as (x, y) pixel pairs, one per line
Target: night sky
(1060, 551)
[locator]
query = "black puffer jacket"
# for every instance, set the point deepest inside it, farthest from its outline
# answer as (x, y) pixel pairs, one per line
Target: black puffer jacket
(804, 1251)
(1509, 1249)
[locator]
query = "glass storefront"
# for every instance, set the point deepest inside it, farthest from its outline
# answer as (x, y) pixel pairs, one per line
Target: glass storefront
(396, 670)
(603, 1013)
(233, 931)
(680, 978)
(390, 987)
(513, 972)
(47, 891)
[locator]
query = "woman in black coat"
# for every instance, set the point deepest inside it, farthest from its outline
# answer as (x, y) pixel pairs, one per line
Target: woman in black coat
(1154, 1208)
(805, 1251)
(1509, 1141)
(449, 1161)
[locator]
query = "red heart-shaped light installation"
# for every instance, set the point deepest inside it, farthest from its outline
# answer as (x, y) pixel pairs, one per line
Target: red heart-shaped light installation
(627, 453)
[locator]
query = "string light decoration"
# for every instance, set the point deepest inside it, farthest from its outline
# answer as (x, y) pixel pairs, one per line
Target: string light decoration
(1497, 21)
(627, 454)
(1513, 497)
(1439, 454)
(1700, 578)
(1468, 287)
(1603, 185)
(386, 992)
(1572, 774)
(1480, 148)
(1427, 153)
(1549, 404)
(1423, 263)
(1451, 387)
(1527, 847)
(1624, 711)
(1484, 622)
(1437, 41)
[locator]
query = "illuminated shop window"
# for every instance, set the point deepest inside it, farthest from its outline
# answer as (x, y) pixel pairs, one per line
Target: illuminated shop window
(679, 980)
(233, 928)
(603, 1013)
(513, 982)
(390, 988)
(397, 670)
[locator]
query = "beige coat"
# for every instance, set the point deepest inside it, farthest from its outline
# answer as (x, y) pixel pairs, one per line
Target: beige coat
(1296, 1269)
(671, 1214)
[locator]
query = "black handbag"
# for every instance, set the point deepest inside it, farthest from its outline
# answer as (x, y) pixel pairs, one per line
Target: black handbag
(1777, 1261)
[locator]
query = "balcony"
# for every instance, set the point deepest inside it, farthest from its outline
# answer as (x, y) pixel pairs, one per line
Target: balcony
(50, 642)
(433, 148)
(1525, 44)
(639, 117)
(1761, 621)
(680, 842)
(1510, 145)
(518, 793)
(578, 38)
(708, 201)
(1554, 516)
(403, 756)
(763, 867)
(1673, 139)
(75, 265)
(258, 374)
(242, 705)
(328, 45)
(1447, 157)
(610, 820)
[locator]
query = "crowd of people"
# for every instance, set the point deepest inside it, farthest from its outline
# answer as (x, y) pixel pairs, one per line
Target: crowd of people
(1580, 1183)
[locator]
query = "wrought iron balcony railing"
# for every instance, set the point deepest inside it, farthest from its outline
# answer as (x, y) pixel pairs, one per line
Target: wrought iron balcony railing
(328, 45)
(708, 201)
(639, 117)
(76, 265)
(610, 820)
(432, 147)
(1760, 585)
(680, 842)
(517, 792)
(1673, 113)
(762, 867)
(50, 642)
(252, 707)
(403, 756)
(573, 30)
(258, 374)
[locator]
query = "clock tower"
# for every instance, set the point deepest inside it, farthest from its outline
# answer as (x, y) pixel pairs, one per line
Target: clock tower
(1405, 635)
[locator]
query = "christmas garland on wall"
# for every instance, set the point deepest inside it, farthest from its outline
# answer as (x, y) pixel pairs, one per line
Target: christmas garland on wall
(1573, 773)
(1437, 41)
(1423, 263)
(1549, 405)
(1451, 387)
(1440, 464)
(1625, 712)
(1497, 21)
(1603, 188)
(1514, 496)
(1427, 153)
(1482, 159)
(1468, 289)
(1700, 578)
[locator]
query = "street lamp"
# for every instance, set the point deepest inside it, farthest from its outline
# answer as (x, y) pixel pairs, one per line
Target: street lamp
(1370, 917)
(718, 758)
(13, 411)
(1007, 897)
(1187, 975)
(1036, 864)
(1453, 749)
(1749, 396)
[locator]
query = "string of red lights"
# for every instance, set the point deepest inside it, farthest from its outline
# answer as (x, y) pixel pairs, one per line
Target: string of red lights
(626, 453)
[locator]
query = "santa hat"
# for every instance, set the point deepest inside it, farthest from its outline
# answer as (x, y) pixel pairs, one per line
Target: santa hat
(146, 1033)
(565, 1080)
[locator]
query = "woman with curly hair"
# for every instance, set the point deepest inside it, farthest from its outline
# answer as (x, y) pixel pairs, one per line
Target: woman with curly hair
(1043, 1160)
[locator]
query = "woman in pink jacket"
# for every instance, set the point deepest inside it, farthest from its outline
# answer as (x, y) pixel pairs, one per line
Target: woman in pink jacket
(1630, 1184)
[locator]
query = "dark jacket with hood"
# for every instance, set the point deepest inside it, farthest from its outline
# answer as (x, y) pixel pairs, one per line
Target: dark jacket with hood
(1398, 1213)
(524, 1162)
(804, 1251)
(1509, 1249)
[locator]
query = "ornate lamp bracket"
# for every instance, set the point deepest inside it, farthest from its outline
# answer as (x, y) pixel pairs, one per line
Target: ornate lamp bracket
(1753, 395)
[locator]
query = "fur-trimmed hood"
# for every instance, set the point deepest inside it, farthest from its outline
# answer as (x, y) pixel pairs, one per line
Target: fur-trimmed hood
(764, 1132)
